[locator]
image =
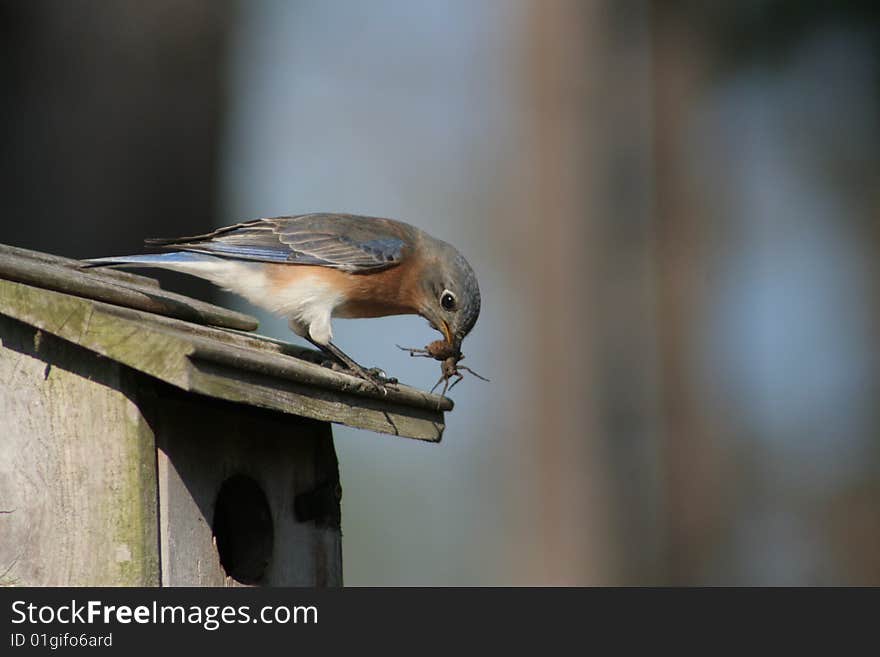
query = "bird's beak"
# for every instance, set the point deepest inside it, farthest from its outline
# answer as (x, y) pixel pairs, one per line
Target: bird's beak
(444, 329)
(452, 339)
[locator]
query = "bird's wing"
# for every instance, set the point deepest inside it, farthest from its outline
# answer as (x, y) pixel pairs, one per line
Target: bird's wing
(347, 242)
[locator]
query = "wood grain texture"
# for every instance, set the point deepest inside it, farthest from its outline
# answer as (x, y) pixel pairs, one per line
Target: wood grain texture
(78, 485)
(106, 285)
(226, 364)
(76, 265)
(203, 443)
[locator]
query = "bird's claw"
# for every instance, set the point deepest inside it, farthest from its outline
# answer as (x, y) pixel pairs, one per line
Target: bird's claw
(377, 377)
(374, 376)
(378, 374)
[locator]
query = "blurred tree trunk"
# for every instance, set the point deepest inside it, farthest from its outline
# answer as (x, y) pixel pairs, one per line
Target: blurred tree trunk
(693, 476)
(110, 121)
(563, 534)
(623, 310)
(583, 250)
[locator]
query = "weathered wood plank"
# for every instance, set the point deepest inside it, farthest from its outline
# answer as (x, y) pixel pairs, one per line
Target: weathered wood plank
(268, 392)
(202, 444)
(96, 284)
(77, 467)
(48, 258)
(226, 365)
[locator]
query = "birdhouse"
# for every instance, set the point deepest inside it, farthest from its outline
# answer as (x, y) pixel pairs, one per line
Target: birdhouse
(147, 438)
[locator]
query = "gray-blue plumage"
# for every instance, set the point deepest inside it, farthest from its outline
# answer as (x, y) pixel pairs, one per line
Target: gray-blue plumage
(150, 259)
(470, 293)
(347, 242)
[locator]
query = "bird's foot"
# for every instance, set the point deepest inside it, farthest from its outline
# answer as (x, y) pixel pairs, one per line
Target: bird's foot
(377, 378)
(374, 375)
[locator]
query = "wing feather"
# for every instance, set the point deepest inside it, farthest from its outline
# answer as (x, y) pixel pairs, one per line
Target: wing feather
(348, 242)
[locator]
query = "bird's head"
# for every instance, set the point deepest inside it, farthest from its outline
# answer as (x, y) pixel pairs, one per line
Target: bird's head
(451, 295)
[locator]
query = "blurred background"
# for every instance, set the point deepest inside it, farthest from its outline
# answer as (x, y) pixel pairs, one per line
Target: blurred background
(672, 208)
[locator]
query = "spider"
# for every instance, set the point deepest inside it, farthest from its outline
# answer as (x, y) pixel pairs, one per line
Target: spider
(449, 365)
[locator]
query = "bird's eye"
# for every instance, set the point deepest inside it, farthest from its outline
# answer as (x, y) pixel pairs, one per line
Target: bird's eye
(447, 300)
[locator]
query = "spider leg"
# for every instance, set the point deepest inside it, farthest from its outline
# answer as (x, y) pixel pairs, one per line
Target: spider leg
(468, 369)
(414, 351)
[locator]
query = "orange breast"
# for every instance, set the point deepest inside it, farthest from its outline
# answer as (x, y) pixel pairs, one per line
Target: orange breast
(393, 291)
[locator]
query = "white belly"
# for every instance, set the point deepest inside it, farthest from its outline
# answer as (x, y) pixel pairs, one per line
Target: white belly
(308, 303)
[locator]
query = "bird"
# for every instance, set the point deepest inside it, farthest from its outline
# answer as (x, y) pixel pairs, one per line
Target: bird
(310, 268)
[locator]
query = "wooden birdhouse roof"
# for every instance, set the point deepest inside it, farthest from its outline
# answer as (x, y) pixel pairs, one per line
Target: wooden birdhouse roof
(199, 347)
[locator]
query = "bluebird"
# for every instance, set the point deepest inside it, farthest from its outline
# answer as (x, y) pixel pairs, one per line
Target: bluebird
(313, 267)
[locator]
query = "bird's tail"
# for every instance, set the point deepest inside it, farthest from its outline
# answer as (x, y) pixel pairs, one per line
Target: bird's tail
(162, 260)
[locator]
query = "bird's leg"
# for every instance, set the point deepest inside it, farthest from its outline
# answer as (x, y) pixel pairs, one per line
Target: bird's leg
(373, 375)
